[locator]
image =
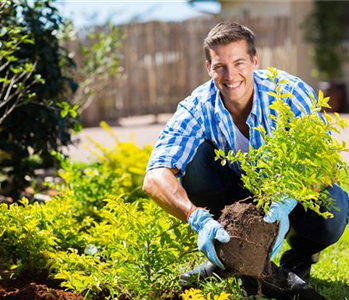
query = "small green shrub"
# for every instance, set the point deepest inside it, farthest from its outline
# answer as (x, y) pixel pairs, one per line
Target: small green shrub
(139, 250)
(118, 170)
(29, 231)
(123, 245)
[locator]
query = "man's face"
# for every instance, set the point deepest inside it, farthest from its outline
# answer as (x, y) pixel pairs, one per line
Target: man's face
(232, 71)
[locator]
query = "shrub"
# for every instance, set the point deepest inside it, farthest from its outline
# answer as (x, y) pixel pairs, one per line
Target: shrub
(117, 170)
(29, 232)
(129, 246)
(298, 160)
(135, 249)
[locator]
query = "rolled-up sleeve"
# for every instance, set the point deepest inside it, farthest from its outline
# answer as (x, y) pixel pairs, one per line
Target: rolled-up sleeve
(178, 141)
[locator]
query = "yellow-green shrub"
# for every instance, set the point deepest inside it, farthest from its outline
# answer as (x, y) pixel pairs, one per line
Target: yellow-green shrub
(118, 170)
(140, 251)
(29, 231)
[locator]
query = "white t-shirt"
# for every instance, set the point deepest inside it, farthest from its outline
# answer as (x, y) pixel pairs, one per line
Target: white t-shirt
(241, 142)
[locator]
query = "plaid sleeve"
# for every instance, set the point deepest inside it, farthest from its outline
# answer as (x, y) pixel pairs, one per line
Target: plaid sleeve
(178, 142)
(301, 102)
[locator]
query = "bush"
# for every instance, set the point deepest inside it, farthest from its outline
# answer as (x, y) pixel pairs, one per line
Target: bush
(118, 170)
(29, 232)
(136, 249)
(129, 246)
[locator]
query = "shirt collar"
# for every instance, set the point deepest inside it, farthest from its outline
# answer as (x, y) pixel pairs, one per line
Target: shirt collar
(220, 109)
(256, 106)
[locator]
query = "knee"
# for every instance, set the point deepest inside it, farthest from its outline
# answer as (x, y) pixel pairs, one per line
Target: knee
(340, 208)
(325, 231)
(335, 226)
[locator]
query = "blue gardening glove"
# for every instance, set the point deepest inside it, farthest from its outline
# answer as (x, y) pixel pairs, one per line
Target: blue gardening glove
(279, 212)
(208, 229)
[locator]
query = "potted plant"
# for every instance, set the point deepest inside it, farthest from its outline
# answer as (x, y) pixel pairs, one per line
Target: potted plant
(324, 29)
(297, 161)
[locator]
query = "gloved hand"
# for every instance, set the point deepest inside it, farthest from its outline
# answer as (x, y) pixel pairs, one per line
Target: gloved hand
(208, 229)
(279, 211)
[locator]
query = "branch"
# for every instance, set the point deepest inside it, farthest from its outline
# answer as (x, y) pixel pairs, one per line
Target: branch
(8, 96)
(7, 112)
(4, 66)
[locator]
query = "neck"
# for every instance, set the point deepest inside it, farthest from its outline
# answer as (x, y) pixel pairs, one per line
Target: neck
(239, 111)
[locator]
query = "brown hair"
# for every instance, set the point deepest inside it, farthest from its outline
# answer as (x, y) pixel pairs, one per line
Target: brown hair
(226, 32)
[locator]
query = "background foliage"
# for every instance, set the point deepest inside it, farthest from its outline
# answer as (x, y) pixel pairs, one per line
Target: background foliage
(38, 123)
(325, 32)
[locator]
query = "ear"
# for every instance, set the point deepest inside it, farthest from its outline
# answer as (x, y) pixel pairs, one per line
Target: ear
(256, 61)
(208, 67)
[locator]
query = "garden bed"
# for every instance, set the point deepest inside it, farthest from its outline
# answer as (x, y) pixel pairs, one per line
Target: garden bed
(38, 288)
(41, 288)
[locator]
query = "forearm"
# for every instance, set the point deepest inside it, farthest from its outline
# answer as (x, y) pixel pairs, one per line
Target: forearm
(163, 187)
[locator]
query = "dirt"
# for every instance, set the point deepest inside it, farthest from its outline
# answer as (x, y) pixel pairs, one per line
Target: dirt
(39, 288)
(251, 240)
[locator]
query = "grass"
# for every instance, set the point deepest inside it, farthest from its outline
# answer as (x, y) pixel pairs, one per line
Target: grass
(330, 277)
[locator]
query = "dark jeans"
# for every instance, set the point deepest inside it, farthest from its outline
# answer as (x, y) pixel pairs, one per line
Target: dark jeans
(210, 185)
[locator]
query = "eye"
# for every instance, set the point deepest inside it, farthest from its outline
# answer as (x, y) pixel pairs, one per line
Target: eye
(218, 68)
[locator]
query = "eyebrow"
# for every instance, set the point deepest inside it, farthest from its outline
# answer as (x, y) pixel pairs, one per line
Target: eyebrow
(223, 64)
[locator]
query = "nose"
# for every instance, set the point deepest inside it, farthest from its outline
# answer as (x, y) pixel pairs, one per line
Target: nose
(230, 73)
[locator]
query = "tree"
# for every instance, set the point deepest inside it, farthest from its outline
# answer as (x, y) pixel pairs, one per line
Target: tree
(16, 74)
(36, 116)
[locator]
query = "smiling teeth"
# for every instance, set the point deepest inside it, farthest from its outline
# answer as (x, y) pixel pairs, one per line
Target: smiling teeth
(233, 86)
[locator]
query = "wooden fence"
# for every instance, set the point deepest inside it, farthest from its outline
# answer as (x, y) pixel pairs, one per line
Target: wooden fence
(163, 62)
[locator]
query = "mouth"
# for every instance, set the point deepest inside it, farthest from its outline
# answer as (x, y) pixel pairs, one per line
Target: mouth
(233, 86)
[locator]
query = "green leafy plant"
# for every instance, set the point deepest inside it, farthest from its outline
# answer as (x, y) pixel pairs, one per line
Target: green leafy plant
(16, 77)
(298, 160)
(30, 231)
(117, 170)
(138, 252)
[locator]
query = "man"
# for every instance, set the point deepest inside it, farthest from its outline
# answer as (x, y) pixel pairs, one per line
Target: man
(222, 114)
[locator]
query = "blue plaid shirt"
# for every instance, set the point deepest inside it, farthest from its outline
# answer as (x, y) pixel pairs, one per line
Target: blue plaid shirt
(202, 116)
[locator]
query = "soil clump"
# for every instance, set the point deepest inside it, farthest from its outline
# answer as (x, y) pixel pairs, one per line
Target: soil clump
(251, 240)
(248, 255)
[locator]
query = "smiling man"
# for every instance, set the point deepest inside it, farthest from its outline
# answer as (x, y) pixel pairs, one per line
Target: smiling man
(223, 114)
